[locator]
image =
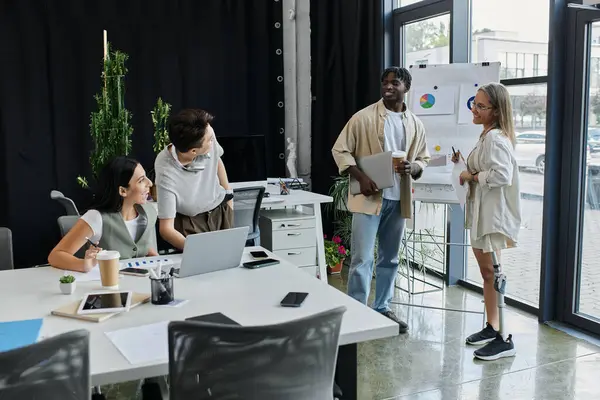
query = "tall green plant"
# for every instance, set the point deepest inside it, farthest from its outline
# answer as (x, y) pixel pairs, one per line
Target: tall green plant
(110, 125)
(160, 119)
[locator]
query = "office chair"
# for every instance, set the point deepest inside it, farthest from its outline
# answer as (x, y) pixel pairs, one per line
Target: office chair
(56, 368)
(65, 224)
(6, 249)
(294, 360)
(246, 210)
(66, 202)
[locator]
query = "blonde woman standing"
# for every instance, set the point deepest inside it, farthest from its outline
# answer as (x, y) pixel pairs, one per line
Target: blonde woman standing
(493, 209)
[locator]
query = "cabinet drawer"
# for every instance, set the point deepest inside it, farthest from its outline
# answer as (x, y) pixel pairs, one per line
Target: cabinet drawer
(293, 239)
(303, 257)
(292, 224)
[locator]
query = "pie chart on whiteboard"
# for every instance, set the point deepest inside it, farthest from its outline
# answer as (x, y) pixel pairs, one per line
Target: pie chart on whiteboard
(427, 100)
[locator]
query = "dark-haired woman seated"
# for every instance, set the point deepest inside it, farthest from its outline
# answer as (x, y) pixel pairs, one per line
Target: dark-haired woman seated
(118, 220)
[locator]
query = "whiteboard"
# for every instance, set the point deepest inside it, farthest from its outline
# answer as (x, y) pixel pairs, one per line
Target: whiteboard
(445, 130)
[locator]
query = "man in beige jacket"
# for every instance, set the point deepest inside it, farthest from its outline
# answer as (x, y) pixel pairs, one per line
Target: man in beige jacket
(384, 126)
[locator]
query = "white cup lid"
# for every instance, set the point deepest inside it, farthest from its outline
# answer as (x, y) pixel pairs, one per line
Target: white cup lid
(398, 154)
(105, 255)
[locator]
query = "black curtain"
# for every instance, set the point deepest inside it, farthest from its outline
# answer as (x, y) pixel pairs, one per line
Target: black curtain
(346, 58)
(219, 55)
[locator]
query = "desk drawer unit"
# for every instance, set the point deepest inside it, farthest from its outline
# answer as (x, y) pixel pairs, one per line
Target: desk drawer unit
(303, 257)
(290, 234)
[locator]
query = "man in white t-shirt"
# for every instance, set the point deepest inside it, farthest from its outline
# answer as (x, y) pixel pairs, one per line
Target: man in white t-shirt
(380, 215)
(193, 190)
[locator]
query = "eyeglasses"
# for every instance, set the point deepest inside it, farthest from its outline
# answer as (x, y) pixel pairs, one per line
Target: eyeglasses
(481, 107)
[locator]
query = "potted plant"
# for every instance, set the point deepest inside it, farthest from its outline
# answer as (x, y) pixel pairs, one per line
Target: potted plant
(160, 119)
(67, 284)
(110, 125)
(335, 254)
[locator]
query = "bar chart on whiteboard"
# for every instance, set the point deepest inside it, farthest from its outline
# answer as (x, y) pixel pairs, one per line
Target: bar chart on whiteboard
(442, 96)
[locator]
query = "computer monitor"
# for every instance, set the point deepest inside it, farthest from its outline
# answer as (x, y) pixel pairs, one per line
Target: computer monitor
(244, 157)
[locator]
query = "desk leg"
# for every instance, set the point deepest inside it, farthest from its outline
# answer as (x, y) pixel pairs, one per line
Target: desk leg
(346, 371)
(321, 264)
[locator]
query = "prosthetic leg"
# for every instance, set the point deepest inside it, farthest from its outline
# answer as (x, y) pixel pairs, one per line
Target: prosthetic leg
(499, 347)
(500, 286)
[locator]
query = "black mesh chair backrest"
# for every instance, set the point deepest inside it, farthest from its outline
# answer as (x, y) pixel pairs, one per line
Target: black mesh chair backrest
(292, 361)
(246, 207)
(57, 368)
(6, 249)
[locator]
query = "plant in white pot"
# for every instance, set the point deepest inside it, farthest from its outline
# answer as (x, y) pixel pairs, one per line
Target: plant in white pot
(67, 284)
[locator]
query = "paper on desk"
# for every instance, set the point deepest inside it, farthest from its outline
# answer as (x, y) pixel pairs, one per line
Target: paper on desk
(142, 344)
(15, 334)
(460, 190)
(92, 275)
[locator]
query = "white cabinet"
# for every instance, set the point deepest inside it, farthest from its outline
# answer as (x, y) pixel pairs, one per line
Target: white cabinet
(290, 234)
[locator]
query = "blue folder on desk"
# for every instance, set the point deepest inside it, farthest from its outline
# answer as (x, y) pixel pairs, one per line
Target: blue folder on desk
(14, 334)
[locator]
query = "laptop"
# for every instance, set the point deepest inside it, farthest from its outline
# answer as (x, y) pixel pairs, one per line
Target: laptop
(212, 251)
(378, 167)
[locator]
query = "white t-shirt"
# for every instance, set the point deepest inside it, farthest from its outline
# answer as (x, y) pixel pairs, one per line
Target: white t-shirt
(189, 190)
(94, 220)
(394, 140)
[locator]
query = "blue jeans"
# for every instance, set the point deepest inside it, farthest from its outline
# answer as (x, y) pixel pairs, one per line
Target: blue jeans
(390, 227)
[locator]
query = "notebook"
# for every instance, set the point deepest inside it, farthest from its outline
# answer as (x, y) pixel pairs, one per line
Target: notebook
(70, 310)
(378, 167)
(15, 334)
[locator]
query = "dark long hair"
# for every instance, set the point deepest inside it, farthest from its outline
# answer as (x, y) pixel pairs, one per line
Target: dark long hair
(116, 173)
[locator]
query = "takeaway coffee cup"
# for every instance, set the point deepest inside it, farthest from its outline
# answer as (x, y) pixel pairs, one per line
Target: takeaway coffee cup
(398, 158)
(109, 268)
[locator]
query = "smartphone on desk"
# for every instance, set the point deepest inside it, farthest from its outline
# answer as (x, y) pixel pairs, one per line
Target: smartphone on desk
(259, 254)
(135, 271)
(260, 263)
(293, 299)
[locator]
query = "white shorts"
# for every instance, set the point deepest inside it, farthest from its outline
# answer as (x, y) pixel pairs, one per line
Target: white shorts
(492, 242)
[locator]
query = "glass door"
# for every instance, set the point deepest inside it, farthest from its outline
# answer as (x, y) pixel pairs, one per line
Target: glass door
(582, 172)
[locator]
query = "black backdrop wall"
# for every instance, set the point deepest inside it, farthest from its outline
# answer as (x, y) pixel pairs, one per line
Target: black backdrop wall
(219, 55)
(346, 58)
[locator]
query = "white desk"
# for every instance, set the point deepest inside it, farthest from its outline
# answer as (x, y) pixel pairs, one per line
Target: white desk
(250, 297)
(294, 199)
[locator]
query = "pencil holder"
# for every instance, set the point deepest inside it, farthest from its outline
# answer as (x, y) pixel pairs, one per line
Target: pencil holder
(162, 290)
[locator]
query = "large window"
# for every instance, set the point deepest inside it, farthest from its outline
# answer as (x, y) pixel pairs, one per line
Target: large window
(427, 41)
(500, 31)
(518, 41)
(402, 3)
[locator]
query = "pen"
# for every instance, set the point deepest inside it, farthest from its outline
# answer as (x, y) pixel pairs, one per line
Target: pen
(90, 242)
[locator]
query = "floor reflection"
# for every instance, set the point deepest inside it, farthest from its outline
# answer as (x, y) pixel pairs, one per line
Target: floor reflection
(432, 361)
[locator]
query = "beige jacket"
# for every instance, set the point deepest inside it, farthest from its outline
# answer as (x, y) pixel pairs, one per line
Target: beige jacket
(363, 136)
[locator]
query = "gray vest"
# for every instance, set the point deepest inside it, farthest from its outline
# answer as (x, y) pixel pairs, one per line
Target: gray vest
(115, 235)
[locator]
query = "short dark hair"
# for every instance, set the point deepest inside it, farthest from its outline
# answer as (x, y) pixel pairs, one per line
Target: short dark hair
(116, 173)
(402, 75)
(187, 128)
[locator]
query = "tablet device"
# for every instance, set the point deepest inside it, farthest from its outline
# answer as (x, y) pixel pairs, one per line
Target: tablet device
(378, 167)
(215, 318)
(105, 302)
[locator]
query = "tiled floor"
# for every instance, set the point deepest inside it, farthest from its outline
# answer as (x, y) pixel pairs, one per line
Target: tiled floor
(432, 362)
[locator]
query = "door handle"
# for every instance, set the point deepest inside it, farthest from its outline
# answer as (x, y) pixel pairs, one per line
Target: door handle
(293, 225)
(294, 234)
(296, 253)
